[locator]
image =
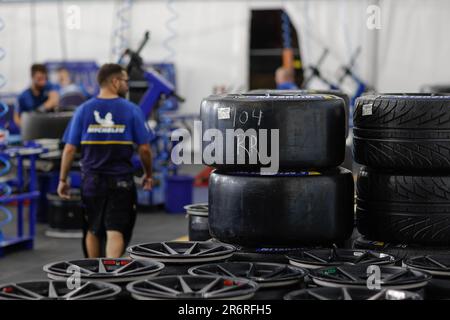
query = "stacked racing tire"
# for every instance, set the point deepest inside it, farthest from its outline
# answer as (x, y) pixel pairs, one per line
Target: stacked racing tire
(277, 181)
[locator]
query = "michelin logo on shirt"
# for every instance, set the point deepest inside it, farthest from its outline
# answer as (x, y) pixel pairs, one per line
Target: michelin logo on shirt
(105, 125)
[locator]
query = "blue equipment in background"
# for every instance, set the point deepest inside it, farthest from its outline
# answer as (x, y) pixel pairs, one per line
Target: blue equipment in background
(23, 192)
(155, 93)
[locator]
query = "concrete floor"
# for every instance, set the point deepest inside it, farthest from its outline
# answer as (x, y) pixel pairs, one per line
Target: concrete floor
(27, 264)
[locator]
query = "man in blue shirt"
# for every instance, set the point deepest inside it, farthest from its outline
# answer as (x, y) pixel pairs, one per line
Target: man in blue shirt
(285, 79)
(41, 96)
(107, 127)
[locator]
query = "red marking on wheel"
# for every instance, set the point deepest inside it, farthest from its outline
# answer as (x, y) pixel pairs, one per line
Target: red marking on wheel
(228, 283)
(8, 290)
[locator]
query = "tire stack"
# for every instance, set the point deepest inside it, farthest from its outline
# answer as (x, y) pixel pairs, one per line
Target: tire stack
(403, 193)
(308, 200)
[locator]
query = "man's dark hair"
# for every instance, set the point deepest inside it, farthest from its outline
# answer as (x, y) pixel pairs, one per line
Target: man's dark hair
(38, 67)
(62, 69)
(107, 71)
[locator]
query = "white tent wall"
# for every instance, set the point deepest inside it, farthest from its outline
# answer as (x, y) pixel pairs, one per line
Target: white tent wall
(210, 43)
(340, 27)
(414, 47)
(211, 40)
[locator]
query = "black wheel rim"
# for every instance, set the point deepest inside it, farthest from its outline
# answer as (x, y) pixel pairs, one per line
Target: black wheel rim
(265, 274)
(105, 269)
(351, 294)
(193, 287)
(438, 265)
(182, 252)
(318, 258)
(58, 290)
(357, 276)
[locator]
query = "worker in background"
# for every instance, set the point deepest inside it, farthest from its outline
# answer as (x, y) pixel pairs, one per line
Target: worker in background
(66, 86)
(106, 127)
(41, 96)
(285, 79)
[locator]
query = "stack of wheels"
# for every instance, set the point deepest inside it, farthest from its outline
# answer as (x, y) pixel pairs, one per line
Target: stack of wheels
(438, 265)
(65, 216)
(312, 259)
(346, 274)
(274, 279)
(119, 272)
(59, 290)
(176, 283)
(277, 182)
(179, 256)
(403, 195)
(198, 222)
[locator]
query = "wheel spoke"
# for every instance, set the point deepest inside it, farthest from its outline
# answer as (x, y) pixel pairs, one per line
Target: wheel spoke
(52, 290)
(126, 266)
(163, 288)
(317, 296)
(159, 253)
(251, 271)
(75, 292)
(347, 274)
(189, 251)
(184, 285)
(227, 272)
(347, 295)
(169, 249)
(200, 253)
(205, 272)
(91, 294)
(395, 275)
(434, 261)
(276, 272)
(225, 289)
(377, 295)
(361, 257)
(314, 257)
(28, 292)
(210, 285)
(156, 292)
(82, 269)
(101, 266)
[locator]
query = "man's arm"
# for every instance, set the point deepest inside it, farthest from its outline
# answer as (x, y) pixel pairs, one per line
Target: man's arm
(16, 118)
(66, 163)
(145, 154)
(52, 101)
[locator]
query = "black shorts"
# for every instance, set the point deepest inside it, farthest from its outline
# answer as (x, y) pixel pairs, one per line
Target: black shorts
(109, 204)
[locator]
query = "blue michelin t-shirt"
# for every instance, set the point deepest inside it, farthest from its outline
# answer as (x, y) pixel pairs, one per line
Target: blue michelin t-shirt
(287, 86)
(29, 102)
(106, 129)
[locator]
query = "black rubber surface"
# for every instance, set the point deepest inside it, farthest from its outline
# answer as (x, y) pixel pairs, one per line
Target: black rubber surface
(311, 129)
(402, 131)
(336, 93)
(402, 251)
(35, 125)
(284, 210)
(404, 208)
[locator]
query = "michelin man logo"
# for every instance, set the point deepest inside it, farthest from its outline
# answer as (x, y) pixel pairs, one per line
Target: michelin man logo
(105, 125)
(107, 122)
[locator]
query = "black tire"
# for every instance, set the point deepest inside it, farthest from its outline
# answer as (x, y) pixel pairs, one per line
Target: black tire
(311, 128)
(65, 214)
(401, 251)
(336, 93)
(287, 210)
(35, 125)
(402, 131)
(404, 208)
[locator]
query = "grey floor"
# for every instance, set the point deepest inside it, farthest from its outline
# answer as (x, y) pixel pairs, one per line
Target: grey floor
(27, 264)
